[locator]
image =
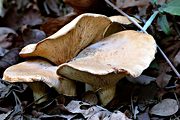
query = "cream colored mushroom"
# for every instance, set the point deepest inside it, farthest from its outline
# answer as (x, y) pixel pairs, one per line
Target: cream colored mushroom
(104, 63)
(34, 72)
(117, 24)
(69, 40)
(122, 19)
(73, 37)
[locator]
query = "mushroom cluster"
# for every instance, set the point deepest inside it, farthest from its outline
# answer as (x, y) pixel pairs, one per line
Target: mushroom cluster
(84, 50)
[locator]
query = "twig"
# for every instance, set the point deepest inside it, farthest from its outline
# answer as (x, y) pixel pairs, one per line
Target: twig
(140, 27)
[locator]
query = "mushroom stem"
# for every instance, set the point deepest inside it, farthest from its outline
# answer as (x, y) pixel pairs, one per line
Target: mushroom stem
(107, 94)
(68, 87)
(39, 90)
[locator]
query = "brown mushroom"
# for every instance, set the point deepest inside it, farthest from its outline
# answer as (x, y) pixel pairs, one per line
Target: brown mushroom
(104, 63)
(122, 19)
(69, 40)
(34, 72)
(118, 24)
(75, 36)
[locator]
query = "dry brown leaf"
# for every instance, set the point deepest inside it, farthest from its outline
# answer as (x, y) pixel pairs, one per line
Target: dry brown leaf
(31, 17)
(166, 107)
(91, 6)
(85, 109)
(52, 25)
(118, 116)
(7, 36)
(177, 59)
(131, 3)
(163, 78)
(142, 79)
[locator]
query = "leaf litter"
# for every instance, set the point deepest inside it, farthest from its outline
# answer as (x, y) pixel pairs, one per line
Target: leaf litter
(27, 22)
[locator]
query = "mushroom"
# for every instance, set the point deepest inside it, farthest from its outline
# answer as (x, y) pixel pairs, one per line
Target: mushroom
(69, 40)
(122, 19)
(73, 37)
(104, 63)
(118, 24)
(34, 72)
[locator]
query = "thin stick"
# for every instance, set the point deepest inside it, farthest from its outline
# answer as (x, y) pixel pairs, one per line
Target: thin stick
(140, 27)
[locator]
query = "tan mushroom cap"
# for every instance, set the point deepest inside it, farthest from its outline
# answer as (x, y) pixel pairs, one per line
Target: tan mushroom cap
(117, 24)
(69, 40)
(32, 71)
(102, 64)
(38, 71)
(122, 19)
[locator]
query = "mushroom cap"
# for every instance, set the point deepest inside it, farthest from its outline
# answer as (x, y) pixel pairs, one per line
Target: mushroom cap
(117, 24)
(122, 19)
(33, 71)
(104, 63)
(69, 40)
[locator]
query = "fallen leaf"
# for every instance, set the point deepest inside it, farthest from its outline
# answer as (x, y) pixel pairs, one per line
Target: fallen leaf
(10, 58)
(142, 5)
(52, 25)
(144, 115)
(101, 115)
(16, 113)
(142, 79)
(6, 91)
(145, 96)
(21, 4)
(94, 112)
(11, 18)
(3, 51)
(51, 7)
(84, 108)
(131, 3)
(163, 78)
(117, 115)
(91, 6)
(30, 36)
(7, 36)
(57, 117)
(31, 17)
(6, 30)
(177, 59)
(5, 115)
(166, 107)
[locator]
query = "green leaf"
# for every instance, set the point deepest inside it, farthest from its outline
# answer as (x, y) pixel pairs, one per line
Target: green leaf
(150, 20)
(163, 23)
(154, 1)
(173, 7)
